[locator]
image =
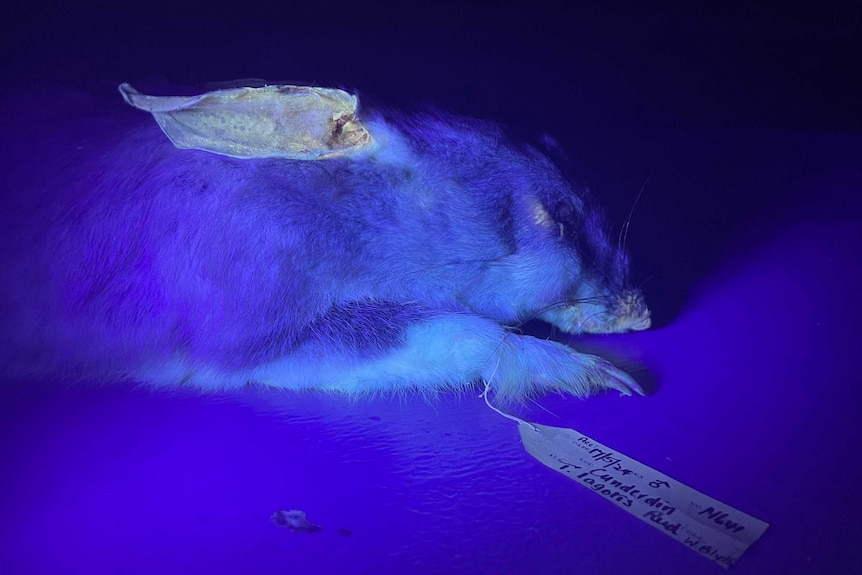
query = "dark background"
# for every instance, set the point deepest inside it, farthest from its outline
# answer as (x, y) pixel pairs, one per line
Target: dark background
(743, 125)
(631, 93)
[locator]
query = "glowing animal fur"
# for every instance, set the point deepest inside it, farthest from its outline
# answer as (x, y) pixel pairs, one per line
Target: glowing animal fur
(126, 258)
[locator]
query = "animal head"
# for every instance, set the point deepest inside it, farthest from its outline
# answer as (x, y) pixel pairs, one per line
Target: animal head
(598, 297)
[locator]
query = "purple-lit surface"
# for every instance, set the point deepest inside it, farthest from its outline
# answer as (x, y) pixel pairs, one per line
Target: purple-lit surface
(750, 240)
(754, 408)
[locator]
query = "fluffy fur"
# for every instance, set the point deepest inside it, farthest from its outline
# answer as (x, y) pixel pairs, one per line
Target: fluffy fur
(404, 268)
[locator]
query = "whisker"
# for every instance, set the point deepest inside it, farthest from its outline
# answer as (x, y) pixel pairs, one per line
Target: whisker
(497, 349)
(562, 303)
(641, 285)
(437, 266)
(624, 231)
(586, 319)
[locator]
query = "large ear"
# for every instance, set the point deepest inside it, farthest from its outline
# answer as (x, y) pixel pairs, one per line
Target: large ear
(296, 122)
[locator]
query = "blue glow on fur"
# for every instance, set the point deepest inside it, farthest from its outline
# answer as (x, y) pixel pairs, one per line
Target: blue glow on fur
(401, 269)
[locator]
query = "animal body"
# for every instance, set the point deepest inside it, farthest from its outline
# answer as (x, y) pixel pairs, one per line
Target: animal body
(403, 268)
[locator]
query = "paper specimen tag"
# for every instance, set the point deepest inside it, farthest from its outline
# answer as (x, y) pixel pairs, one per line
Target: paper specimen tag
(717, 531)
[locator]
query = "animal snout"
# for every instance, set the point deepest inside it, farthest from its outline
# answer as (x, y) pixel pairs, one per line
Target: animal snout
(633, 311)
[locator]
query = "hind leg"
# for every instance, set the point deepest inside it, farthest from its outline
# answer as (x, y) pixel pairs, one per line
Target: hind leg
(527, 365)
(433, 350)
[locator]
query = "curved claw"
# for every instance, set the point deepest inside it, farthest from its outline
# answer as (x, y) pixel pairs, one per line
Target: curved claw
(620, 380)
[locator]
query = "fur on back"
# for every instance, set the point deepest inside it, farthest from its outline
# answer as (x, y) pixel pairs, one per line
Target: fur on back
(127, 258)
